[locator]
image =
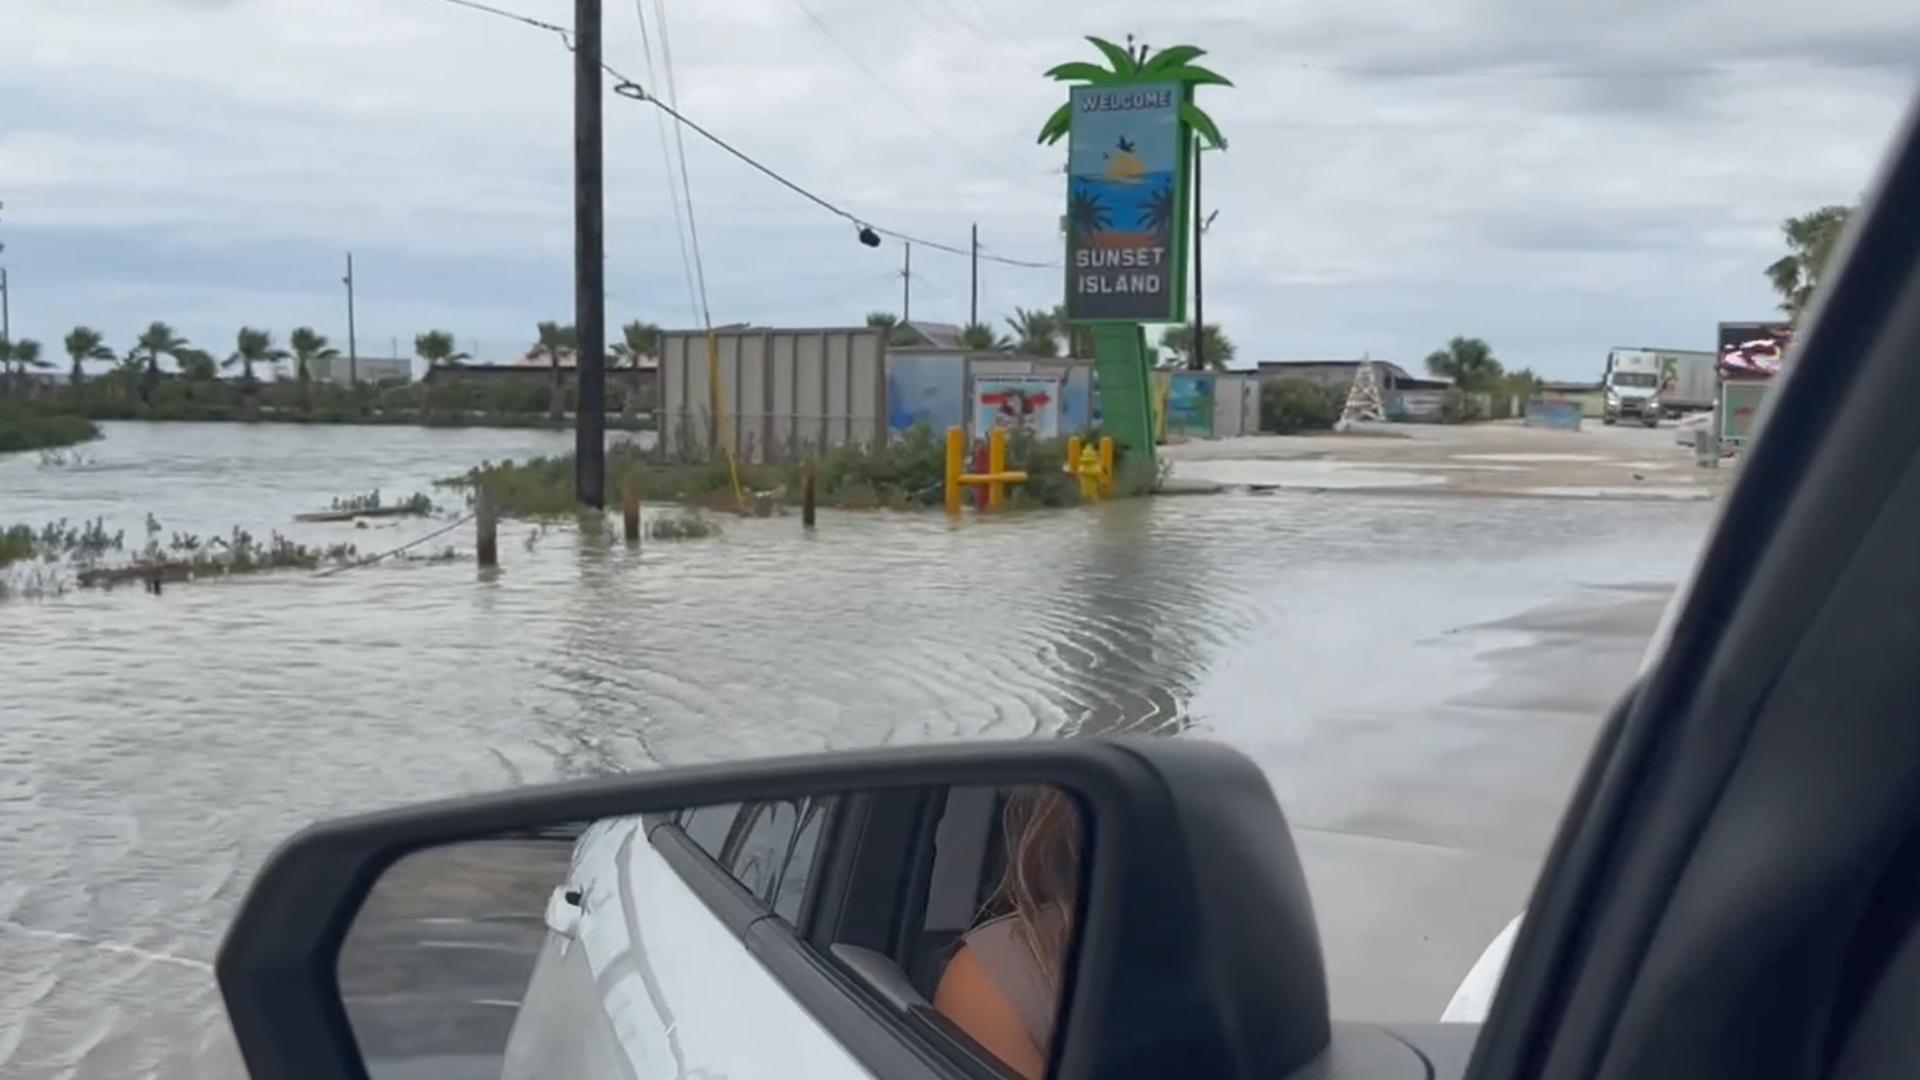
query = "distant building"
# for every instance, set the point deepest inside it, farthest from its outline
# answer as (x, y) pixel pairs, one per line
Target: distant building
(935, 334)
(1338, 375)
(370, 369)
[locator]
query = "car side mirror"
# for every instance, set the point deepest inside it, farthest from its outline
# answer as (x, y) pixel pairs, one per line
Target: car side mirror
(1069, 909)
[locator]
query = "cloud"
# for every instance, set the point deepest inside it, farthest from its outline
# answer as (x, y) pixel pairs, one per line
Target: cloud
(1557, 178)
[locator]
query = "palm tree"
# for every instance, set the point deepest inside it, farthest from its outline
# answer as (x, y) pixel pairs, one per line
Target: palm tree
(555, 343)
(1161, 210)
(898, 333)
(1036, 332)
(24, 354)
(309, 345)
(1216, 350)
(1079, 338)
(1087, 214)
(158, 338)
(85, 343)
(1811, 239)
(1469, 362)
(437, 349)
(196, 367)
(638, 341)
(127, 372)
(978, 335)
(252, 346)
(1170, 65)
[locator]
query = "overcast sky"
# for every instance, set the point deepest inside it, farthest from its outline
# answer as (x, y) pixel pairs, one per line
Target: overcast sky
(1554, 177)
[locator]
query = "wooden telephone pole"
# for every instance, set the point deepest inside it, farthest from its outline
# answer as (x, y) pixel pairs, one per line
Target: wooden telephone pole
(589, 261)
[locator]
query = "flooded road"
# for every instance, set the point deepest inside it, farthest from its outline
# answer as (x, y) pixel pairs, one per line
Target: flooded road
(1379, 654)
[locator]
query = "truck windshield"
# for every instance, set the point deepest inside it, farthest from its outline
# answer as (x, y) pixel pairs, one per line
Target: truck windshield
(1634, 378)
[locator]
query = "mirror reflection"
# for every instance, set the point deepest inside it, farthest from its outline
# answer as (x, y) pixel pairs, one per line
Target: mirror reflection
(779, 937)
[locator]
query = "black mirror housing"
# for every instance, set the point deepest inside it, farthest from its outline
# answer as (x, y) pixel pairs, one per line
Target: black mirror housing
(1199, 953)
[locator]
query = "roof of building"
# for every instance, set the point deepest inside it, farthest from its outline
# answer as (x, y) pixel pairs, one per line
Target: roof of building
(1396, 374)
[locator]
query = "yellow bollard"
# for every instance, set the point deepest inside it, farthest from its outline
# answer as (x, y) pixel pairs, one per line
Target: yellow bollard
(1073, 455)
(996, 464)
(1107, 461)
(1091, 480)
(956, 452)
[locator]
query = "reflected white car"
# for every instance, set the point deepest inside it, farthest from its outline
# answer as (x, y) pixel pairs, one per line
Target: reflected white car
(795, 912)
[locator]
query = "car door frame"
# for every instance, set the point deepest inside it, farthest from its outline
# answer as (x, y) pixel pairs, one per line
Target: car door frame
(1614, 913)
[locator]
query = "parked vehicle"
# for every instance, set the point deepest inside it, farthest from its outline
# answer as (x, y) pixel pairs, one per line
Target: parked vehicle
(1689, 381)
(1632, 385)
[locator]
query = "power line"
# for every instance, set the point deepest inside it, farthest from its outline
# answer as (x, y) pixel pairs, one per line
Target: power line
(666, 163)
(515, 16)
(628, 88)
(686, 186)
(898, 99)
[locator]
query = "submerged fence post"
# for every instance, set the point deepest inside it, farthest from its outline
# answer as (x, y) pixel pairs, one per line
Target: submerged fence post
(486, 521)
(807, 495)
(630, 508)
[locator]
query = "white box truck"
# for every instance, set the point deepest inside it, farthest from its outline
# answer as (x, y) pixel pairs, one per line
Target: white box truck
(1689, 381)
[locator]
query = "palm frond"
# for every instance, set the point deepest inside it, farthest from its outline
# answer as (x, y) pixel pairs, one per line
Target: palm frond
(1194, 75)
(1057, 125)
(1202, 125)
(1171, 57)
(1122, 62)
(1081, 71)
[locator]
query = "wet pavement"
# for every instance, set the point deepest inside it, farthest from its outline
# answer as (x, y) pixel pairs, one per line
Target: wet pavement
(1506, 459)
(1419, 676)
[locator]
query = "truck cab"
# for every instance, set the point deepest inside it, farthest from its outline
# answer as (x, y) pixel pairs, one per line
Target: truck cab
(1632, 385)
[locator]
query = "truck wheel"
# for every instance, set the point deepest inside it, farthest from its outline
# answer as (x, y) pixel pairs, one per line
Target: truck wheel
(1651, 419)
(1609, 421)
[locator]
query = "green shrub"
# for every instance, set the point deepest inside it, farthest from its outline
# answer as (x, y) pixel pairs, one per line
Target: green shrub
(1293, 404)
(24, 429)
(1459, 407)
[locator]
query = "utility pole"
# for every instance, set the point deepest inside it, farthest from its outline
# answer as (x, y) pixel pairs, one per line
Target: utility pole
(353, 345)
(6, 300)
(589, 262)
(906, 286)
(973, 301)
(1196, 361)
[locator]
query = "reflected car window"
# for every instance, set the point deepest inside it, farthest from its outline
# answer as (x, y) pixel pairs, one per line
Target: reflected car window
(797, 878)
(709, 826)
(762, 839)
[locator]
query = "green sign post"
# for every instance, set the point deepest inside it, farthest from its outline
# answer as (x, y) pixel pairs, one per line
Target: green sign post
(1131, 128)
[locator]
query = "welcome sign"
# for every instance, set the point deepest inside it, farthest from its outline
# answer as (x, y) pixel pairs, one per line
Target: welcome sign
(1125, 204)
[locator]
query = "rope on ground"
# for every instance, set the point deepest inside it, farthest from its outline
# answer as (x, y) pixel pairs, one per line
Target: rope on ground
(369, 560)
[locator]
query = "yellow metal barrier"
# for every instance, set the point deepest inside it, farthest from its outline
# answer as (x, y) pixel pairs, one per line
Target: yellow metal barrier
(1093, 467)
(995, 479)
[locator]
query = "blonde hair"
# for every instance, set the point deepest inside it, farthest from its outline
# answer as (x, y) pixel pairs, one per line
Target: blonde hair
(1042, 879)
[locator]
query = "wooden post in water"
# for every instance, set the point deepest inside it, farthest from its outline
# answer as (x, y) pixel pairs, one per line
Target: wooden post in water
(807, 482)
(630, 508)
(486, 522)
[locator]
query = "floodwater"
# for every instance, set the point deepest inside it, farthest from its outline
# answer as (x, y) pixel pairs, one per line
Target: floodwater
(1418, 675)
